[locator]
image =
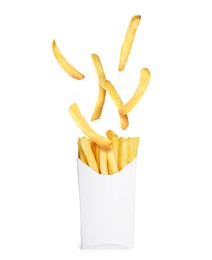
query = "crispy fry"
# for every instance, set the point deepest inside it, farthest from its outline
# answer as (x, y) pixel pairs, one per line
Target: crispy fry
(103, 161)
(112, 165)
(97, 155)
(64, 63)
(101, 96)
(132, 148)
(144, 80)
(84, 126)
(123, 153)
(110, 134)
(115, 146)
(93, 148)
(128, 41)
(84, 142)
(107, 85)
(81, 154)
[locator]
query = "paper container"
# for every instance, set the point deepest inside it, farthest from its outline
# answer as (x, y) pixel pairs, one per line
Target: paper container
(107, 206)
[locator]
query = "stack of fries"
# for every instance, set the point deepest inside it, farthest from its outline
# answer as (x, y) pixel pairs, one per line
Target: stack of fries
(107, 155)
(108, 161)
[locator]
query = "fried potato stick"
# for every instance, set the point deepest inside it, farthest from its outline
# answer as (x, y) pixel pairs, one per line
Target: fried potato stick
(115, 146)
(85, 127)
(110, 134)
(107, 85)
(81, 154)
(112, 165)
(132, 148)
(85, 144)
(128, 41)
(97, 155)
(74, 73)
(103, 161)
(101, 95)
(123, 153)
(142, 86)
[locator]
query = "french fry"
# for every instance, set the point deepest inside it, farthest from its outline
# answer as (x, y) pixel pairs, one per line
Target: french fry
(132, 148)
(112, 165)
(128, 41)
(103, 161)
(101, 96)
(81, 154)
(93, 148)
(110, 134)
(107, 85)
(115, 146)
(115, 143)
(74, 73)
(84, 126)
(123, 153)
(85, 144)
(136, 142)
(97, 155)
(144, 80)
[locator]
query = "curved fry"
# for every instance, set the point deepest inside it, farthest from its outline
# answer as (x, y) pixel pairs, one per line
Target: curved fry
(107, 85)
(144, 80)
(128, 41)
(101, 96)
(64, 63)
(85, 127)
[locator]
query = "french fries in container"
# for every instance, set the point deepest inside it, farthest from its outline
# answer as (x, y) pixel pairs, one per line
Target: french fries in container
(106, 161)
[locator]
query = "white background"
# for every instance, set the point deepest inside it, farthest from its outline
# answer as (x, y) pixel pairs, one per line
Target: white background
(39, 201)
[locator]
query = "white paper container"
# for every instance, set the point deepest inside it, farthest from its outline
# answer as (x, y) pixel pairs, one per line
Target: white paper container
(107, 206)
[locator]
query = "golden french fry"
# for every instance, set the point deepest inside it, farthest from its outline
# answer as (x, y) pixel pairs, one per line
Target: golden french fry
(115, 146)
(110, 134)
(81, 154)
(144, 80)
(64, 63)
(93, 148)
(132, 148)
(103, 161)
(112, 165)
(101, 96)
(123, 153)
(136, 142)
(84, 126)
(107, 85)
(85, 144)
(97, 155)
(128, 41)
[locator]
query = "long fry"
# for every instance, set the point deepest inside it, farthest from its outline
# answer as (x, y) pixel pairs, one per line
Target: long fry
(74, 73)
(107, 85)
(97, 155)
(143, 83)
(132, 148)
(85, 144)
(101, 96)
(115, 146)
(128, 41)
(84, 126)
(112, 165)
(81, 154)
(103, 161)
(123, 153)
